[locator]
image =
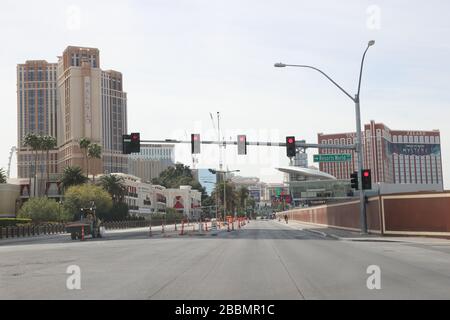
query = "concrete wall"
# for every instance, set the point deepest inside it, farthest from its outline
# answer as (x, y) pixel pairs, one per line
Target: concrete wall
(8, 196)
(419, 214)
(391, 188)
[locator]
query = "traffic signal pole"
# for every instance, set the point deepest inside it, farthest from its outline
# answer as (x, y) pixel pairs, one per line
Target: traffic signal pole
(262, 144)
(359, 152)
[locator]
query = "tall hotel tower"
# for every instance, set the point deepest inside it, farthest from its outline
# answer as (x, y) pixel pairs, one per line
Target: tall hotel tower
(37, 105)
(71, 100)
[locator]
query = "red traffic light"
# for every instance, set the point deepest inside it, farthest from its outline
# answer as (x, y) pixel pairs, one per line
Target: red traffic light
(242, 144)
(290, 147)
(366, 179)
(134, 137)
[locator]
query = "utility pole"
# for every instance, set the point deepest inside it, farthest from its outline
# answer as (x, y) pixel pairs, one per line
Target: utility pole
(359, 144)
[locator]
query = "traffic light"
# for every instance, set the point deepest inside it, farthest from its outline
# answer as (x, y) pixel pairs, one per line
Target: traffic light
(354, 180)
(366, 179)
(242, 145)
(290, 147)
(126, 144)
(135, 143)
(195, 143)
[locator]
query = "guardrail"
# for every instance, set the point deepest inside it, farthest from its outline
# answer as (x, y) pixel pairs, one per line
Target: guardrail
(31, 230)
(60, 228)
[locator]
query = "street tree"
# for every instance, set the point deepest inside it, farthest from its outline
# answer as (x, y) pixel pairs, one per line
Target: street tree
(115, 186)
(179, 175)
(94, 152)
(33, 142)
(82, 196)
(84, 145)
(48, 143)
(2, 175)
(72, 176)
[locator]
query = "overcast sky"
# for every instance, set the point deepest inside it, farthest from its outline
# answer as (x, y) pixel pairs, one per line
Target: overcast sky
(182, 60)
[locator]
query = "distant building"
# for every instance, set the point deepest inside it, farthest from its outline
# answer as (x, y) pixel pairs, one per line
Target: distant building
(37, 112)
(92, 105)
(307, 184)
(143, 199)
(185, 200)
(395, 156)
(71, 100)
(151, 161)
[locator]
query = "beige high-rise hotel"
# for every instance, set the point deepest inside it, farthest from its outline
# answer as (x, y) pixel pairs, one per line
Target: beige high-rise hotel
(92, 105)
(37, 104)
(71, 100)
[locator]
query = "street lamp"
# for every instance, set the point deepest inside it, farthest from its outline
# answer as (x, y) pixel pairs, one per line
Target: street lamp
(217, 198)
(359, 149)
(224, 188)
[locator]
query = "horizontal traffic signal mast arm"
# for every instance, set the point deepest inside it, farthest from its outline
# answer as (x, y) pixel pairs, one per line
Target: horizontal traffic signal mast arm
(261, 144)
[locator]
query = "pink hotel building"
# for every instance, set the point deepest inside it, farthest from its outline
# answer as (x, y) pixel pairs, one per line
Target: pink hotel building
(394, 156)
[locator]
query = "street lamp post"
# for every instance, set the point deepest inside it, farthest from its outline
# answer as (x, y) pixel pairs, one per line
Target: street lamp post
(224, 188)
(359, 148)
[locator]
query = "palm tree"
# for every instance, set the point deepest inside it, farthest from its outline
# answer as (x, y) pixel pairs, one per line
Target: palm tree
(2, 175)
(243, 194)
(115, 186)
(94, 152)
(231, 195)
(48, 143)
(72, 176)
(32, 141)
(84, 145)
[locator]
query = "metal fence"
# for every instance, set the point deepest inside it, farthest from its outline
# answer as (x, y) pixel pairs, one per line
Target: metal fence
(31, 230)
(60, 228)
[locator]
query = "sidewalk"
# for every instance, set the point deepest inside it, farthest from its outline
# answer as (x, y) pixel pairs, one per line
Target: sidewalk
(348, 235)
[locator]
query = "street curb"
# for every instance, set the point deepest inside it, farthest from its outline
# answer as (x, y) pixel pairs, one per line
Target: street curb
(323, 234)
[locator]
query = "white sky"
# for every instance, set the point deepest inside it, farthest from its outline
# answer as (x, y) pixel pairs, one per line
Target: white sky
(184, 59)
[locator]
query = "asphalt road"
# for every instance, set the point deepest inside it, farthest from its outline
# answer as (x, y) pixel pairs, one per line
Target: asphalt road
(264, 260)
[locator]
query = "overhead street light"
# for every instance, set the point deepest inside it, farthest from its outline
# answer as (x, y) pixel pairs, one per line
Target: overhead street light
(359, 148)
(280, 65)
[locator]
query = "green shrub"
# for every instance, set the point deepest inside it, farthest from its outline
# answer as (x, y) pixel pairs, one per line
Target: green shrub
(42, 210)
(12, 222)
(78, 197)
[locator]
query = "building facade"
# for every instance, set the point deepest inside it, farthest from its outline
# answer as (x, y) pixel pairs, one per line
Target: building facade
(92, 105)
(394, 156)
(37, 113)
(151, 161)
(185, 200)
(71, 100)
(143, 199)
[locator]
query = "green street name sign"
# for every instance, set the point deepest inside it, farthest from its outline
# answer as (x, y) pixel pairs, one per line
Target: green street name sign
(332, 157)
